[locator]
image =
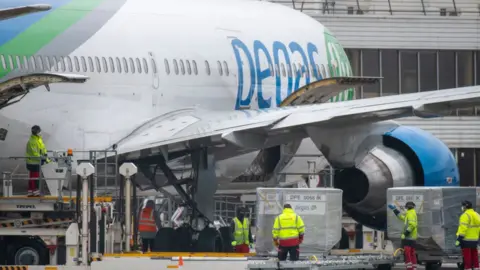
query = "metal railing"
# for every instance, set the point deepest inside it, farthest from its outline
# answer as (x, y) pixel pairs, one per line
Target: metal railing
(385, 7)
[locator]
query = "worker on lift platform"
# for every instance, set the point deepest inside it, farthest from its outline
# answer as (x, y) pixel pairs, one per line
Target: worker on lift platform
(148, 225)
(409, 235)
(36, 154)
(467, 236)
(288, 231)
(242, 236)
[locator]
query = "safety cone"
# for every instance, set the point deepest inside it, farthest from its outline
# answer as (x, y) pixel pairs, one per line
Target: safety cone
(180, 261)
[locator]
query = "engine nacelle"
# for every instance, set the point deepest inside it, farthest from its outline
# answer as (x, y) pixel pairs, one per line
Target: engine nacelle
(371, 158)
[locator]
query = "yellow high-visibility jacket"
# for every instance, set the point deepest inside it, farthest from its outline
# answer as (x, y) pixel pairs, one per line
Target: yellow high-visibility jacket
(411, 224)
(288, 228)
(241, 232)
(469, 228)
(35, 148)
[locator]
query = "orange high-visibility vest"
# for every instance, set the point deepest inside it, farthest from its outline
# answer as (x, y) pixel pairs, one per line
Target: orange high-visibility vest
(147, 221)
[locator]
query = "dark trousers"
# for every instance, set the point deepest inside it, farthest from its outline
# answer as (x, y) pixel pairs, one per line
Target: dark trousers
(284, 251)
(147, 243)
(470, 258)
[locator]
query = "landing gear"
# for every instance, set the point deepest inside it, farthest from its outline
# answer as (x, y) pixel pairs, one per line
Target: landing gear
(197, 232)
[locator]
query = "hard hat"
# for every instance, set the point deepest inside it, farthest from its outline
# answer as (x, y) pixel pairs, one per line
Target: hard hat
(36, 129)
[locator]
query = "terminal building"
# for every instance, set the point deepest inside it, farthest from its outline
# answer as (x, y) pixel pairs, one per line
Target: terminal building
(415, 45)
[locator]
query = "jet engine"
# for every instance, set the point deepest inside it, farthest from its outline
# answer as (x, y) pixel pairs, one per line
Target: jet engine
(370, 159)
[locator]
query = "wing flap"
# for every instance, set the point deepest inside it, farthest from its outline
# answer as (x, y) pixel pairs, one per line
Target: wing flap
(321, 91)
(14, 12)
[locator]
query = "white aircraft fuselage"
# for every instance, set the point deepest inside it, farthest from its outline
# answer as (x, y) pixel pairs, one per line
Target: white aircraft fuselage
(218, 55)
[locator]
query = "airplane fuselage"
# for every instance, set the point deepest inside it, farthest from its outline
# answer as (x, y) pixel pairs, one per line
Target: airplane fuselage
(148, 58)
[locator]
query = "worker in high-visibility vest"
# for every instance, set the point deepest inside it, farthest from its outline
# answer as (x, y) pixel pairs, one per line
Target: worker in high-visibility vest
(242, 236)
(148, 224)
(409, 235)
(36, 156)
(288, 231)
(467, 236)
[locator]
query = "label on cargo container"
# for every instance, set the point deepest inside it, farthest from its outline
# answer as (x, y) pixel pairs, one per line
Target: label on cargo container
(400, 200)
(305, 197)
(308, 208)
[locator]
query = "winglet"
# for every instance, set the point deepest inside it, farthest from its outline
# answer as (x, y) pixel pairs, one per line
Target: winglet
(14, 12)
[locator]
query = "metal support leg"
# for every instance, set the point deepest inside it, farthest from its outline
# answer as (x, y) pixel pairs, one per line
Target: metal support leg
(207, 179)
(127, 170)
(84, 170)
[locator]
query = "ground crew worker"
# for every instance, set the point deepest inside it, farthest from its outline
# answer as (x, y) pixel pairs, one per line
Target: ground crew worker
(148, 224)
(409, 235)
(242, 236)
(36, 155)
(288, 231)
(467, 236)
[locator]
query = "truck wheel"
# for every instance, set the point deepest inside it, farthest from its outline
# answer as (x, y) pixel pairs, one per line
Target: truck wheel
(28, 252)
(433, 265)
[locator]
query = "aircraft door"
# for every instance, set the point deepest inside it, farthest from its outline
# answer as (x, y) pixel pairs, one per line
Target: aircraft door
(155, 80)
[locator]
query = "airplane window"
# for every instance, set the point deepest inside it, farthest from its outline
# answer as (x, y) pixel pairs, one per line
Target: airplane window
(324, 73)
(307, 71)
(175, 66)
(97, 64)
(119, 65)
(300, 69)
(145, 65)
(31, 62)
(112, 64)
(39, 62)
(2, 58)
(277, 69)
(295, 71)
(139, 65)
(225, 66)
(182, 67)
(132, 65)
(167, 66)
(318, 69)
(84, 64)
(194, 64)
(220, 70)
(125, 65)
(189, 68)
(18, 65)
(207, 67)
(272, 72)
(46, 63)
(26, 65)
(62, 64)
(154, 64)
(77, 64)
(105, 64)
(90, 64)
(69, 64)
(283, 70)
(54, 63)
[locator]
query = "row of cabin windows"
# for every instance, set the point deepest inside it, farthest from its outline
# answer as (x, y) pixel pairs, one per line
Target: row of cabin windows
(132, 65)
(75, 64)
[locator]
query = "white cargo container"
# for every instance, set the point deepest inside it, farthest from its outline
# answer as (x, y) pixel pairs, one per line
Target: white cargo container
(320, 209)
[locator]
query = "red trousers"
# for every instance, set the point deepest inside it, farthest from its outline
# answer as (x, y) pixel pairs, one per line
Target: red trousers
(470, 258)
(243, 248)
(33, 182)
(410, 257)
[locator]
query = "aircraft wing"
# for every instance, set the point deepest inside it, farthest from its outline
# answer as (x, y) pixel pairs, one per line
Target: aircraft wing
(10, 13)
(256, 129)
